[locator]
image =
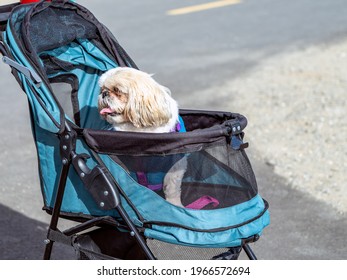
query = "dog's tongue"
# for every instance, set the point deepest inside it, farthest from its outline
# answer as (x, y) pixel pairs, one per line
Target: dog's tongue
(105, 111)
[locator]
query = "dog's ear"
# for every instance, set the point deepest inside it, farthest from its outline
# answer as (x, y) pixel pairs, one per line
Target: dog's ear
(149, 106)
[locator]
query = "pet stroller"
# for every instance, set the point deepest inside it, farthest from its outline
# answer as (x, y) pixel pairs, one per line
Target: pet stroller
(110, 182)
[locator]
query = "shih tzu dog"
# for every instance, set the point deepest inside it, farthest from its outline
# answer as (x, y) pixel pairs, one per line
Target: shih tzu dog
(131, 100)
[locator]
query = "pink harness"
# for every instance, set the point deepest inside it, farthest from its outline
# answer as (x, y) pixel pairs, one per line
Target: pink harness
(202, 202)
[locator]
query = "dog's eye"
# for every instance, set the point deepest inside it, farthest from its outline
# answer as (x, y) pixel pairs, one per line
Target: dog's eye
(116, 90)
(104, 92)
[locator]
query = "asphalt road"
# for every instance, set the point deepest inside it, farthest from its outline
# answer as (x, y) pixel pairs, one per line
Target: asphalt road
(188, 53)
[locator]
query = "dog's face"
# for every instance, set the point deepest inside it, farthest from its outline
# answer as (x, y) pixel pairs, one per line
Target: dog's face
(132, 96)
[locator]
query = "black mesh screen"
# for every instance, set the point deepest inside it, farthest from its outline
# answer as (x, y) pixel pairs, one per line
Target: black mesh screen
(213, 178)
(67, 25)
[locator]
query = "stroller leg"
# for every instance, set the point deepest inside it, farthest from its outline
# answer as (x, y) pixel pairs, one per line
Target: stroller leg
(56, 208)
(135, 233)
(249, 252)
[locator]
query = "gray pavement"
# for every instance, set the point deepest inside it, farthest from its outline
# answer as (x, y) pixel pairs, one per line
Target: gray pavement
(188, 53)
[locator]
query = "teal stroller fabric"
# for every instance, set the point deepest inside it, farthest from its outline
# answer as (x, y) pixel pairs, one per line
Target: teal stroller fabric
(62, 63)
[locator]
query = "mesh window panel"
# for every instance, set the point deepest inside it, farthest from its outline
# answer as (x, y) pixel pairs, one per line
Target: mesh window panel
(213, 178)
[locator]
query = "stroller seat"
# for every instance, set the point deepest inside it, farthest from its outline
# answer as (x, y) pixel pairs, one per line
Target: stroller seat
(112, 179)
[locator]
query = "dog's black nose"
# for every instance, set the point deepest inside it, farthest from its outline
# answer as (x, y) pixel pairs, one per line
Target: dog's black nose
(104, 93)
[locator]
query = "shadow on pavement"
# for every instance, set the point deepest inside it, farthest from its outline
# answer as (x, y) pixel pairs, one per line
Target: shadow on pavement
(22, 238)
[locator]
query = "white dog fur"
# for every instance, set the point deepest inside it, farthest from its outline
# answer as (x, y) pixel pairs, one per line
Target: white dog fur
(131, 100)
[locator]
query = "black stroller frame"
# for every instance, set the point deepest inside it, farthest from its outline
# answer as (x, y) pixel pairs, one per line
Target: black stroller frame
(98, 181)
(101, 184)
